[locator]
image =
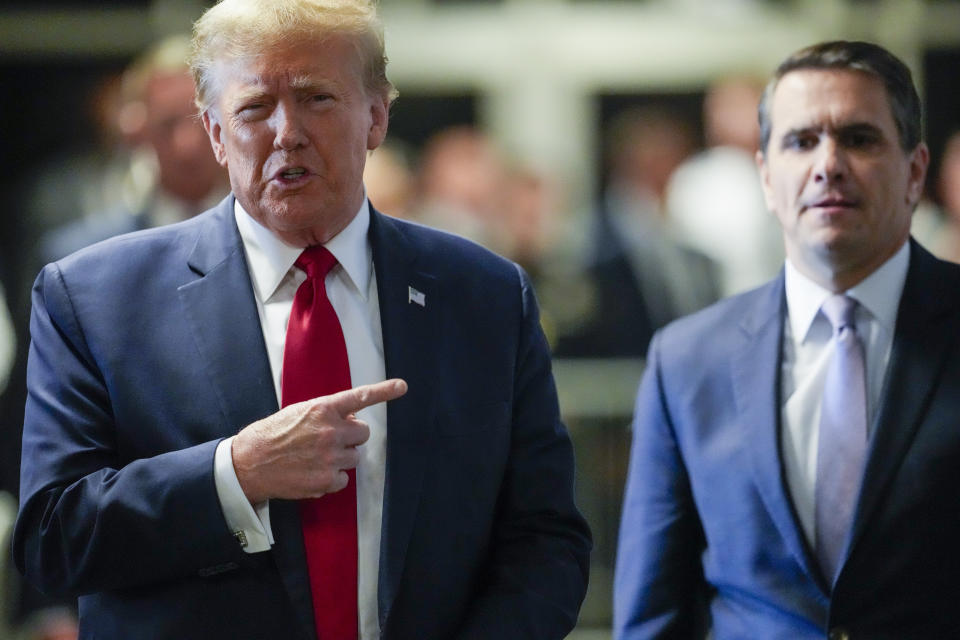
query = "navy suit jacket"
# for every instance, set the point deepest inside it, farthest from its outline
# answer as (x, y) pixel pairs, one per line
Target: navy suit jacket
(147, 351)
(709, 535)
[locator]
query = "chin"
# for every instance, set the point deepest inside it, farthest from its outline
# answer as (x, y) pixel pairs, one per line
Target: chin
(839, 244)
(290, 216)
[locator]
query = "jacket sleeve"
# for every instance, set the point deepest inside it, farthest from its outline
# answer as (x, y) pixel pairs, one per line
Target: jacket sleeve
(541, 546)
(90, 520)
(659, 590)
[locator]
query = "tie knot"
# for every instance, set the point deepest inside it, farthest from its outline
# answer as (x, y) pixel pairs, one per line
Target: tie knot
(316, 261)
(839, 310)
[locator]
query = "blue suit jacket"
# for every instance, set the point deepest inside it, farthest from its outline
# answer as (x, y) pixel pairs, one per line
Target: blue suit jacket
(147, 351)
(709, 533)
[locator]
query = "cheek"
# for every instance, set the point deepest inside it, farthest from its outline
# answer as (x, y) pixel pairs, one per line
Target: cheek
(348, 157)
(786, 191)
(786, 184)
(244, 153)
(243, 170)
(883, 189)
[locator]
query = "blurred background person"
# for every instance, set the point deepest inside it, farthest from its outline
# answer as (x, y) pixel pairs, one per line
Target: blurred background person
(84, 179)
(714, 199)
(460, 184)
(528, 221)
(529, 229)
(171, 174)
(645, 145)
(640, 276)
(938, 228)
(389, 180)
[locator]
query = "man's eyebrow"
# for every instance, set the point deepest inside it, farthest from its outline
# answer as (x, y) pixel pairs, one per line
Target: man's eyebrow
(796, 132)
(252, 87)
(253, 81)
(303, 81)
(250, 93)
(860, 127)
(843, 128)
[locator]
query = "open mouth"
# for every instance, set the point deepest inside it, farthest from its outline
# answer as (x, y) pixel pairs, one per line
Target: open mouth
(292, 174)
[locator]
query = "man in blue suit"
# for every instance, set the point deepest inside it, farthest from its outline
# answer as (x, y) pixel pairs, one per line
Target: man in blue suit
(160, 481)
(794, 476)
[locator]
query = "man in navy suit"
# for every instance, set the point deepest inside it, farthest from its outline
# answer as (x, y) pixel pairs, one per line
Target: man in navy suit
(751, 508)
(161, 483)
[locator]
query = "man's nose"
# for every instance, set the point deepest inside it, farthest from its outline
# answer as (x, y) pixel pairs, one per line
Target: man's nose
(290, 133)
(831, 162)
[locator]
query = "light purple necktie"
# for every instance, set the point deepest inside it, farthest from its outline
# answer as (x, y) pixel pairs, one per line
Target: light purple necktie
(843, 436)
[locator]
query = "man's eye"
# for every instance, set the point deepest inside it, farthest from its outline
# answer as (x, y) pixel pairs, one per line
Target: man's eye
(801, 142)
(319, 98)
(252, 111)
(858, 140)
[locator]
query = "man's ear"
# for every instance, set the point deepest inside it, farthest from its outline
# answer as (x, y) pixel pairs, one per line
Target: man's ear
(211, 124)
(919, 161)
(379, 118)
(761, 162)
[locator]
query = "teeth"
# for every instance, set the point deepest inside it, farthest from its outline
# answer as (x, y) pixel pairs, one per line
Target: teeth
(293, 173)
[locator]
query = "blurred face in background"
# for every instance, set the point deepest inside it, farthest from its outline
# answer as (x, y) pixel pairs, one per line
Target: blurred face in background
(948, 183)
(837, 176)
(187, 168)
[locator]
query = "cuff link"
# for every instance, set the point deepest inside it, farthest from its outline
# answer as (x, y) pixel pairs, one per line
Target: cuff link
(241, 538)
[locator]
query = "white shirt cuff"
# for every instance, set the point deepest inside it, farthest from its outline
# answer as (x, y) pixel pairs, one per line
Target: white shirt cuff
(249, 524)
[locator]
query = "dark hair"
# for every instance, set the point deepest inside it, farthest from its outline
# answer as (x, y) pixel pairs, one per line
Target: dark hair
(855, 56)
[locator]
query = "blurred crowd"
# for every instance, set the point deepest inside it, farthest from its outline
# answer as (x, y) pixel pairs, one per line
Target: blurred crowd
(680, 222)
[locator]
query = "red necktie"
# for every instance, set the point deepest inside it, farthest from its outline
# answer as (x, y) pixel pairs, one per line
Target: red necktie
(315, 364)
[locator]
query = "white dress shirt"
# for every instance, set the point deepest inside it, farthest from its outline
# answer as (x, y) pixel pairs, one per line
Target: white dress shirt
(807, 350)
(352, 290)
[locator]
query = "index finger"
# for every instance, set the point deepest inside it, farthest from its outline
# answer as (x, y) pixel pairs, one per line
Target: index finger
(353, 400)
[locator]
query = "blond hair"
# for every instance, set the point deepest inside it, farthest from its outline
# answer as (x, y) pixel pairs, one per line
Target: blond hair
(234, 29)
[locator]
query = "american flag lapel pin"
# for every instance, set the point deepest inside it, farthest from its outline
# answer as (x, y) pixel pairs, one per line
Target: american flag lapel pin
(416, 297)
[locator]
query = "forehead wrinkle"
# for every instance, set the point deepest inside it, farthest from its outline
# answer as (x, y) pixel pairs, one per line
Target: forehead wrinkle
(243, 81)
(251, 89)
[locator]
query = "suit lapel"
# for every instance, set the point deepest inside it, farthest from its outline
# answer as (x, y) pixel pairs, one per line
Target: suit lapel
(920, 346)
(409, 317)
(222, 314)
(756, 384)
(245, 393)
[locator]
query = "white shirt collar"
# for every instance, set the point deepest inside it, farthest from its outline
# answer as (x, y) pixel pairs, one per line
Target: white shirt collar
(879, 293)
(270, 259)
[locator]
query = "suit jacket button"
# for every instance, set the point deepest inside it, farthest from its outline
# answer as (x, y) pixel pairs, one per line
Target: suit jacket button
(839, 633)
